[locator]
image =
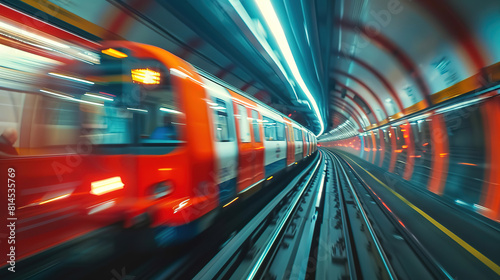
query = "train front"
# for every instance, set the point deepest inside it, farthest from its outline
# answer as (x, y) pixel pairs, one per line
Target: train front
(134, 113)
(104, 144)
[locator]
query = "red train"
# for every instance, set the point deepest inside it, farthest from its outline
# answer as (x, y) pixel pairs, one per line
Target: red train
(138, 138)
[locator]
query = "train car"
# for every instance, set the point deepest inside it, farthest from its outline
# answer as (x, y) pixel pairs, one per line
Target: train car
(141, 138)
(305, 139)
(275, 142)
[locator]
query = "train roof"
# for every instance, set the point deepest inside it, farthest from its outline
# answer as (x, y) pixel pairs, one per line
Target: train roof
(220, 82)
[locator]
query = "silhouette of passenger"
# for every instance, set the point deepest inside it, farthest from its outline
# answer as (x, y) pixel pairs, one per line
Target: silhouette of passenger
(7, 140)
(165, 132)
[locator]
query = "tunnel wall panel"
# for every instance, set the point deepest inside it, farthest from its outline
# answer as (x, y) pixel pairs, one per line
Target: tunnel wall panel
(454, 154)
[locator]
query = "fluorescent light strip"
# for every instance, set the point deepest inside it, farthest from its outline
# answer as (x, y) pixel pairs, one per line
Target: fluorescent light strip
(71, 78)
(19, 31)
(217, 108)
(169, 110)
(68, 52)
(420, 117)
(87, 102)
(267, 10)
(462, 104)
(69, 97)
(240, 10)
(98, 96)
(139, 110)
(57, 94)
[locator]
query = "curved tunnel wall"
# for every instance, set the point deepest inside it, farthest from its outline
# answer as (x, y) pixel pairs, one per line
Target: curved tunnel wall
(452, 152)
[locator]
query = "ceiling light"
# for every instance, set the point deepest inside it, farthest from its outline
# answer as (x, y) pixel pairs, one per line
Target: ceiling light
(267, 10)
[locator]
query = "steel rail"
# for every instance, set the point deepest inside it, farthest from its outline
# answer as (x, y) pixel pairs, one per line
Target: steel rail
(352, 263)
(411, 239)
(281, 227)
(220, 261)
(378, 246)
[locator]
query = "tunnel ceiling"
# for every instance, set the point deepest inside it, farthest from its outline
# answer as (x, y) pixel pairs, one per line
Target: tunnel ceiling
(241, 34)
(394, 58)
(363, 63)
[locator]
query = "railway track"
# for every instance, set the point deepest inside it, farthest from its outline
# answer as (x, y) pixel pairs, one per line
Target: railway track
(250, 253)
(324, 229)
(374, 243)
(326, 223)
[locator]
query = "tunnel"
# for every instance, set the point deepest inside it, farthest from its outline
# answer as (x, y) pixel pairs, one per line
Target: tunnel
(256, 139)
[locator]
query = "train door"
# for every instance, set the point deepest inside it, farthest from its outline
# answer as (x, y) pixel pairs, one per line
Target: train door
(258, 146)
(298, 143)
(275, 144)
(246, 152)
(310, 144)
(226, 145)
(306, 144)
(290, 143)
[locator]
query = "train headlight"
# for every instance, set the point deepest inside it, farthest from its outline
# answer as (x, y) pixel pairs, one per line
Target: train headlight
(106, 186)
(145, 76)
(162, 189)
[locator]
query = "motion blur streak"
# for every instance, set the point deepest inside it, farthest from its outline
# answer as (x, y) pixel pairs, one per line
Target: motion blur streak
(54, 199)
(101, 206)
(154, 124)
(71, 78)
(267, 10)
(465, 245)
(114, 53)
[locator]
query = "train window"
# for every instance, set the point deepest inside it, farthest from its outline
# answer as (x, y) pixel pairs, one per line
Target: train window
(298, 134)
(106, 125)
(244, 126)
(269, 129)
(59, 112)
(55, 128)
(221, 121)
(280, 134)
(255, 124)
(154, 121)
(160, 119)
(11, 105)
(119, 114)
